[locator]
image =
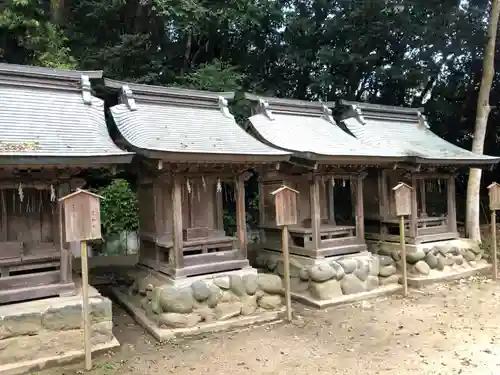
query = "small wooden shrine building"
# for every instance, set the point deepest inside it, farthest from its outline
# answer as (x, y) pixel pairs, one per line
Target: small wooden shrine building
(187, 144)
(429, 167)
(52, 130)
(327, 168)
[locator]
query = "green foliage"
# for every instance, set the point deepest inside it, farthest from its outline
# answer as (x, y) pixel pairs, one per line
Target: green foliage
(27, 36)
(214, 76)
(119, 209)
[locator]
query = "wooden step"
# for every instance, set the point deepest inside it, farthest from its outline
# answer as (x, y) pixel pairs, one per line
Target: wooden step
(30, 280)
(41, 291)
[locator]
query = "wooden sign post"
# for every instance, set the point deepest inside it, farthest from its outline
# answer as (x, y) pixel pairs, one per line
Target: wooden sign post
(402, 196)
(285, 200)
(82, 222)
(494, 196)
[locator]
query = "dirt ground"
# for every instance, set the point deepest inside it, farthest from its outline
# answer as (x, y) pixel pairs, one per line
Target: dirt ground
(444, 329)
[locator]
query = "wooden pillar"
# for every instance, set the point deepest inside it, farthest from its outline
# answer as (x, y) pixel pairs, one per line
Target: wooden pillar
(331, 202)
(423, 204)
(360, 219)
(177, 222)
(4, 215)
(156, 219)
(414, 209)
(241, 229)
(66, 260)
(452, 208)
(219, 209)
(262, 212)
(384, 194)
(315, 213)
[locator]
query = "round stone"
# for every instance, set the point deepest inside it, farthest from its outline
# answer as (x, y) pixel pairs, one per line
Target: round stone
(387, 271)
(270, 283)
(385, 260)
(350, 284)
(372, 283)
(250, 283)
(415, 255)
(268, 302)
(201, 290)
(176, 300)
(215, 295)
(304, 274)
(271, 264)
(455, 250)
(223, 282)
(422, 267)
(362, 270)
(326, 290)
(237, 285)
(431, 260)
(338, 270)
(441, 263)
(396, 255)
(322, 272)
(348, 264)
(469, 256)
(458, 259)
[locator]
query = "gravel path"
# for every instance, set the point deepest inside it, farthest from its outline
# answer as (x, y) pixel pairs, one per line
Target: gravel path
(444, 329)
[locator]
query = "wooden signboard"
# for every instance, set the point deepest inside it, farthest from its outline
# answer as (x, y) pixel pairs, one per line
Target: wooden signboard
(82, 222)
(402, 198)
(285, 200)
(82, 216)
(494, 195)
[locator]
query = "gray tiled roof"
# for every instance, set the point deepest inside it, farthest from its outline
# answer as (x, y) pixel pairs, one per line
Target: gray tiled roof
(171, 120)
(43, 114)
(303, 127)
(404, 132)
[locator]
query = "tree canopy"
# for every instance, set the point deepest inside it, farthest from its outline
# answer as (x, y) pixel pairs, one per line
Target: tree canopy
(396, 52)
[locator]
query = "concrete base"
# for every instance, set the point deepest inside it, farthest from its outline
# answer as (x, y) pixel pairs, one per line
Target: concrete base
(343, 300)
(449, 274)
(36, 333)
(169, 307)
(375, 246)
(164, 334)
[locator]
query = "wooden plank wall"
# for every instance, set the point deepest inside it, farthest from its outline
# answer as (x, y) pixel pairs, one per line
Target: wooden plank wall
(30, 221)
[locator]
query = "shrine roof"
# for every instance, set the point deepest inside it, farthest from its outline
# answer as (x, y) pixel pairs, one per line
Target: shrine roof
(404, 132)
(49, 116)
(185, 125)
(309, 130)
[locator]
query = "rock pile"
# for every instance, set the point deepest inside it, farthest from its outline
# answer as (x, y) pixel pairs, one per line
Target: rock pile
(336, 277)
(207, 301)
(422, 260)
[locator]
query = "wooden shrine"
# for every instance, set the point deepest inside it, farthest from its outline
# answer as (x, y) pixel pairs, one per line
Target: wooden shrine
(44, 156)
(429, 166)
(327, 168)
(188, 147)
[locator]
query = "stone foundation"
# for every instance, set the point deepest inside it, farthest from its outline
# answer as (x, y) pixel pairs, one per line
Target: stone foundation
(334, 280)
(168, 308)
(33, 333)
(435, 261)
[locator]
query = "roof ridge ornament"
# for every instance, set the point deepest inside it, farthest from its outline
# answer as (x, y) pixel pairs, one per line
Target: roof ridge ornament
(327, 113)
(86, 89)
(358, 114)
(265, 110)
(127, 98)
(422, 119)
(223, 105)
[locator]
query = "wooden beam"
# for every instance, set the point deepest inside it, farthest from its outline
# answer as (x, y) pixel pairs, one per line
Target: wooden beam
(177, 222)
(241, 231)
(414, 208)
(452, 208)
(423, 204)
(315, 213)
(331, 202)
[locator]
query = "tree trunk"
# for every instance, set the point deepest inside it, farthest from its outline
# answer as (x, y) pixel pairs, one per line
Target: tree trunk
(482, 113)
